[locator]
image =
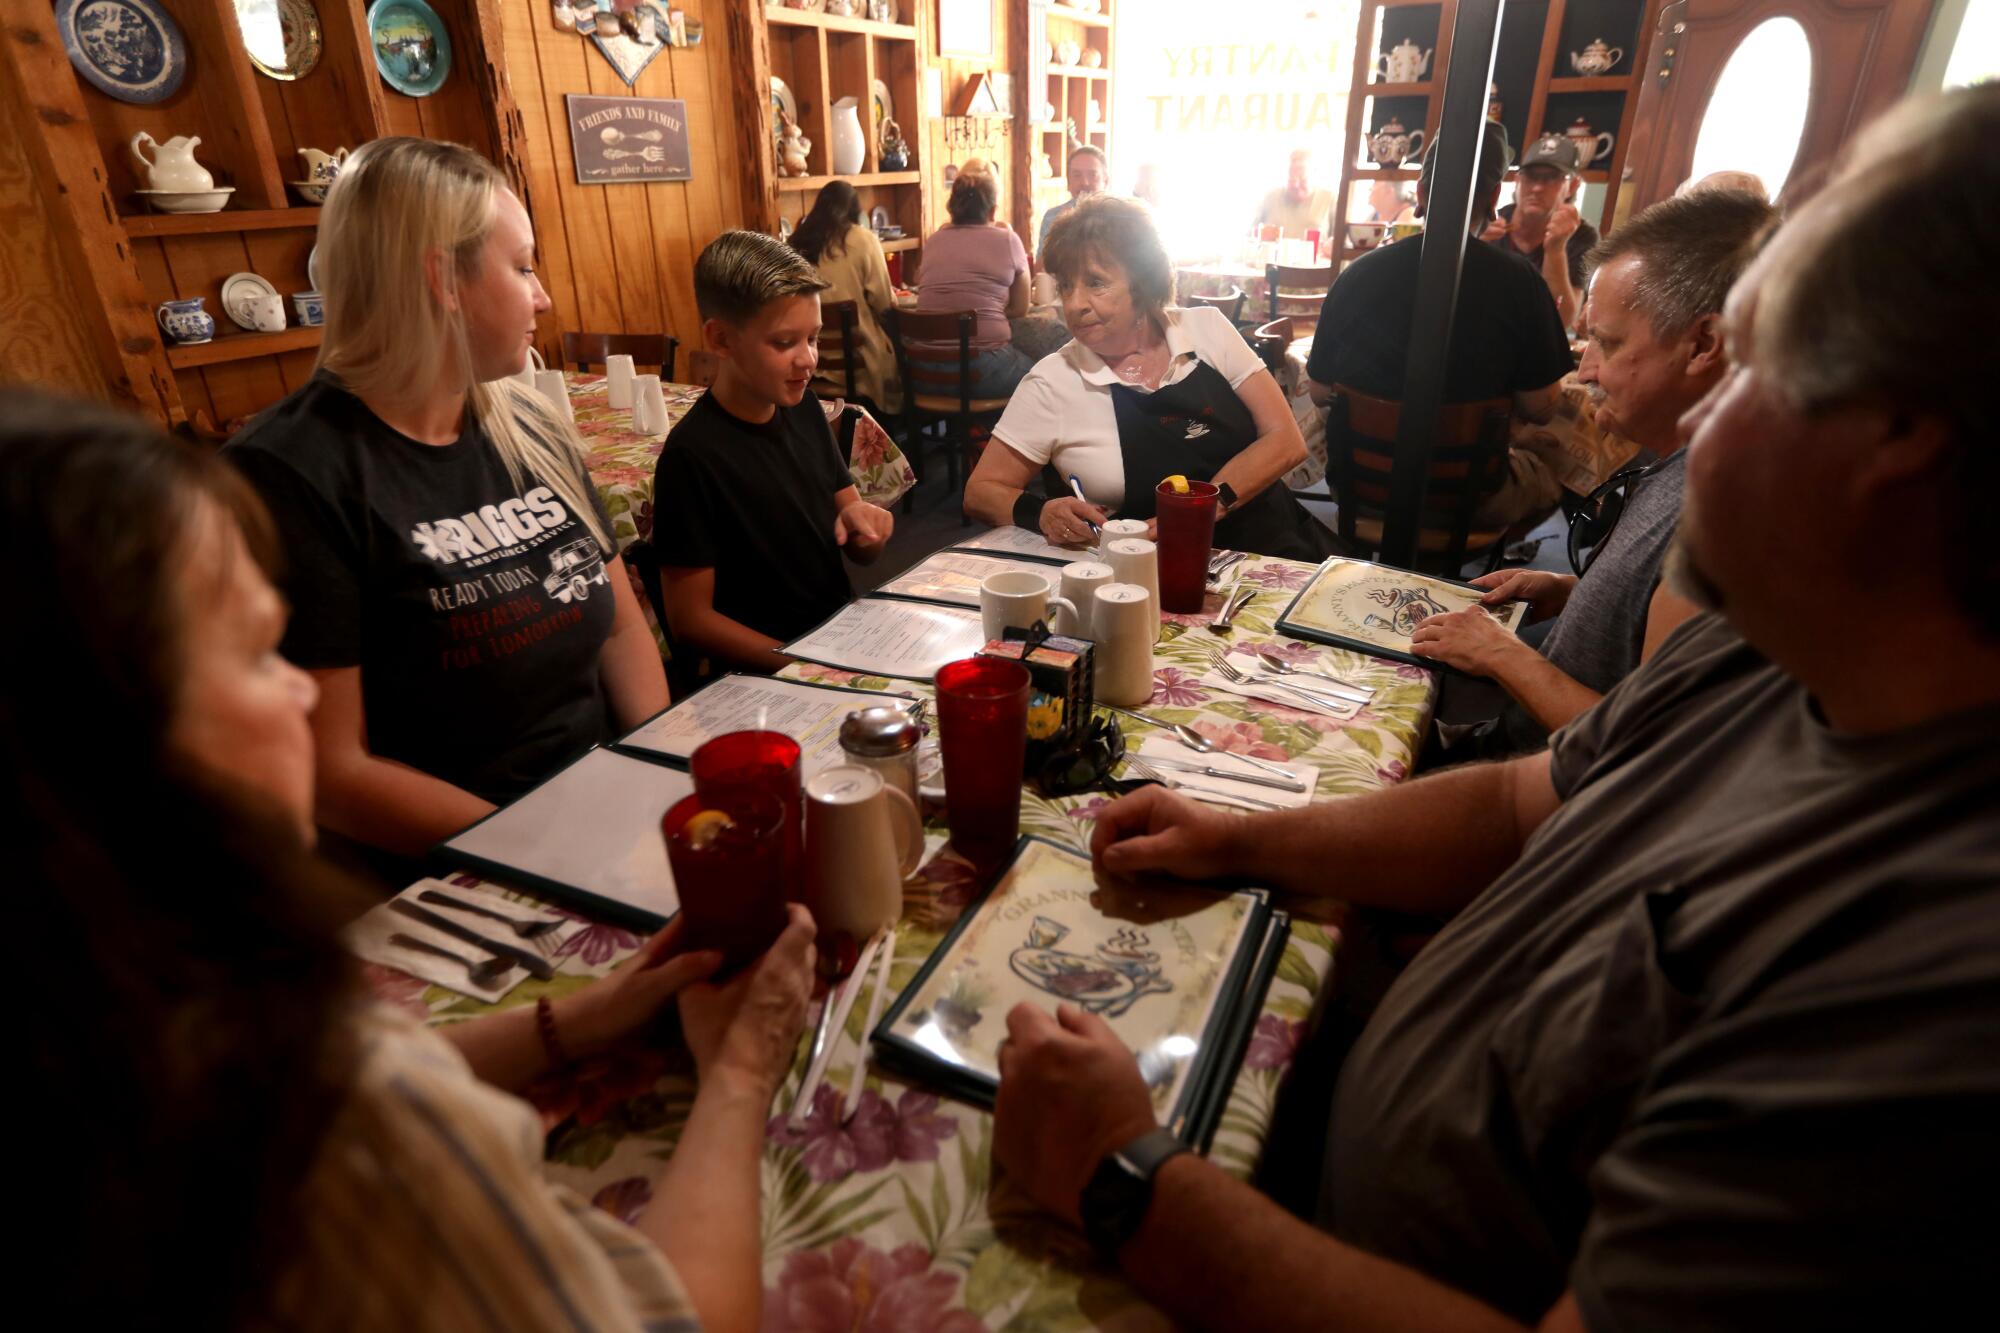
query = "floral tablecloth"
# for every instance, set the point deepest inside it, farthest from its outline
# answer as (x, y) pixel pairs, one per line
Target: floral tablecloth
(621, 460)
(896, 1221)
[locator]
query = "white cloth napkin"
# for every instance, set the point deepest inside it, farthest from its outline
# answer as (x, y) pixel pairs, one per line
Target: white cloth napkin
(368, 938)
(1222, 791)
(1271, 692)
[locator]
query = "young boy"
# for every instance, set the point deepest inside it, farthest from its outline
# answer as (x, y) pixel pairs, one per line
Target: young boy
(753, 504)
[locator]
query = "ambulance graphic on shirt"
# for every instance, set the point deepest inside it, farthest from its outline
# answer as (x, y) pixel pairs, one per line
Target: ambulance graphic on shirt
(573, 568)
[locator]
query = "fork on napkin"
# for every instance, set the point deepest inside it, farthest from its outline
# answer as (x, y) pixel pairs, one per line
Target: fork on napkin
(1292, 692)
(1180, 763)
(368, 938)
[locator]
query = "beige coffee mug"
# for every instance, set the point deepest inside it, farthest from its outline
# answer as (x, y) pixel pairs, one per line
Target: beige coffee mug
(1080, 582)
(266, 312)
(618, 375)
(1117, 530)
(1016, 599)
(863, 839)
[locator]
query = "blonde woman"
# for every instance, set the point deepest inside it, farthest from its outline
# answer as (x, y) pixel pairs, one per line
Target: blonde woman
(456, 592)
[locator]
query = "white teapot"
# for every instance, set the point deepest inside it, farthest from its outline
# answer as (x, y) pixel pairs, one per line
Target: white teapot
(172, 166)
(323, 168)
(1406, 63)
(1596, 59)
(1391, 146)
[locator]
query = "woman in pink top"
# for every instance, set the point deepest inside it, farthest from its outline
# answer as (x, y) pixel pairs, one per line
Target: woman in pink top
(973, 265)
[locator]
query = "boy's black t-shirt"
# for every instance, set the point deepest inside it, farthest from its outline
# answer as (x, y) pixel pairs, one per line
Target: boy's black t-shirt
(755, 504)
(476, 609)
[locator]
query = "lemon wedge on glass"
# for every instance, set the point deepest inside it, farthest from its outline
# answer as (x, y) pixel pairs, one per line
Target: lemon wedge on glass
(1178, 484)
(705, 827)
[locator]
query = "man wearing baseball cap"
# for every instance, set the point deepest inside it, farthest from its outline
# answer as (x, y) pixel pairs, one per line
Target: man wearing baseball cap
(1507, 339)
(1544, 230)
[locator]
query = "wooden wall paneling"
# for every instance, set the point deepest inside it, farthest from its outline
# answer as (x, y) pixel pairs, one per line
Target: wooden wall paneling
(592, 246)
(632, 258)
(334, 106)
(60, 146)
(678, 234)
(721, 178)
(494, 92)
(296, 367)
(456, 112)
(43, 340)
(348, 61)
(521, 29)
(220, 63)
(744, 80)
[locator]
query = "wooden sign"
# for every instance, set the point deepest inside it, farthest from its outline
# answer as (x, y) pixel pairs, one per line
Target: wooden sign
(624, 139)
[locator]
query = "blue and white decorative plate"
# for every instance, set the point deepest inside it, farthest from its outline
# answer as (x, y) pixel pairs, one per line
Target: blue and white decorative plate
(128, 49)
(412, 49)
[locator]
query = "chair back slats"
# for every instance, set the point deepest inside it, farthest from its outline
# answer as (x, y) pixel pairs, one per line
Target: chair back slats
(934, 380)
(1230, 303)
(1468, 463)
(584, 350)
(1302, 287)
(837, 354)
(1270, 342)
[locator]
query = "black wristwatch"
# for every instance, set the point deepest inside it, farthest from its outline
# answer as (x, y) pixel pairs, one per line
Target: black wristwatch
(1114, 1202)
(1227, 494)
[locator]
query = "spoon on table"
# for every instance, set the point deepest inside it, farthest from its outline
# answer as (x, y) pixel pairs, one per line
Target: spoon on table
(1346, 689)
(527, 930)
(484, 975)
(1194, 740)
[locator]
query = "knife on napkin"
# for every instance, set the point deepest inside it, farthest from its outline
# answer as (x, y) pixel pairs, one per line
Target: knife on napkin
(537, 966)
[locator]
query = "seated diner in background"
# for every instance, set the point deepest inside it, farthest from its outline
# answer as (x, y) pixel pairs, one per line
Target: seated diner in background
(971, 264)
(753, 504)
(1656, 292)
(1707, 1039)
(1146, 390)
(1085, 172)
(259, 1144)
(1507, 339)
(454, 584)
(1543, 227)
(1297, 208)
(848, 257)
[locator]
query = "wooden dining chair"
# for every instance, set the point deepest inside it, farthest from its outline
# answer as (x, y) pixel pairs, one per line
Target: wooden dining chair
(684, 666)
(1297, 292)
(1468, 464)
(839, 350)
(1271, 341)
(1230, 303)
(940, 396)
(647, 350)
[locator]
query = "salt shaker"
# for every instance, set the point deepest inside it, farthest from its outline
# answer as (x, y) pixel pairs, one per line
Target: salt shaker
(885, 739)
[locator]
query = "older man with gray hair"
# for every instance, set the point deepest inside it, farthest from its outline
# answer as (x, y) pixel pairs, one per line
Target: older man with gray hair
(1708, 1038)
(1655, 350)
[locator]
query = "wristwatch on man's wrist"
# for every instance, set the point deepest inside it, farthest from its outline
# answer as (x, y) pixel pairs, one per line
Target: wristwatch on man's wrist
(1114, 1202)
(1227, 495)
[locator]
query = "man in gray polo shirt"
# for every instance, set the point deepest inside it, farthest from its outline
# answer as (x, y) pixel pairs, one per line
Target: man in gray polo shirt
(1709, 1039)
(1655, 350)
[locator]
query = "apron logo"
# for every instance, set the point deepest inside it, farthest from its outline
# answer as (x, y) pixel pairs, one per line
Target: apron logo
(1195, 430)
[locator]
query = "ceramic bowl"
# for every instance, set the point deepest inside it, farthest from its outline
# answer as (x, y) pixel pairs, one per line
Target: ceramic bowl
(1366, 235)
(313, 192)
(187, 201)
(309, 308)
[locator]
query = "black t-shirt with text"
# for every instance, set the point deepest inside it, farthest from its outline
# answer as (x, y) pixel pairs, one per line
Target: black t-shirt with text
(1506, 336)
(476, 608)
(755, 503)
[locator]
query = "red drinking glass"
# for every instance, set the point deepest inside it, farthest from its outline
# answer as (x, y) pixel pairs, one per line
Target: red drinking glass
(765, 763)
(982, 708)
(1187, 529)
(731, 878)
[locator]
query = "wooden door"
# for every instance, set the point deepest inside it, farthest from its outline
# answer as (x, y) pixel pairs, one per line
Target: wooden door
(1862, 54)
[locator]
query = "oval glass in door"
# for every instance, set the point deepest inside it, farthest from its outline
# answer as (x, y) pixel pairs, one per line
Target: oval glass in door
(1757, 113)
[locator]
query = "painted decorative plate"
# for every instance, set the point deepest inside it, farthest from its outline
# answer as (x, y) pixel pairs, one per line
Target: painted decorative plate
(128, 49)
(412, 49)
(782, 100)
(282, 37)
(238, 288)
(885, 105)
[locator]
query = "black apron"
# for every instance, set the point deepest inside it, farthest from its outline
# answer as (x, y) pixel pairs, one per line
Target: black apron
(1193, 427)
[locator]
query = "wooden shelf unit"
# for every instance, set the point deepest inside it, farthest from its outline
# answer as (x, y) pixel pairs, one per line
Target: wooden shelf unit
(823, 58)
(1531, 70)
(251, 128)
(1070, 89)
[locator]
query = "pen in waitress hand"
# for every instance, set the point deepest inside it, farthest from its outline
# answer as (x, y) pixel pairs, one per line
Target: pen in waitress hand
(1076, 488)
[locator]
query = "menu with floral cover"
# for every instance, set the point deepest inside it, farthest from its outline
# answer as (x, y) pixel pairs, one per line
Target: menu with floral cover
(1164, 964)
(1375, 608)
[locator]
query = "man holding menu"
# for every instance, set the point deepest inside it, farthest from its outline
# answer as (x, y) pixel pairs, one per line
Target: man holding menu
(1707, 1039)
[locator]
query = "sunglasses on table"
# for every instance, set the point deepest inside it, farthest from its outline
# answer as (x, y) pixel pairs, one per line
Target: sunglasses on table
(1591, 523)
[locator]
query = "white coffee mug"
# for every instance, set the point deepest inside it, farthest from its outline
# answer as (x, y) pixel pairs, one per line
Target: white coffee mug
(1136, 560)
(531, 367)
(1080, 582)
(1125, 623)
(1044, 289)
(863, 839)
(1016, 599)
(1116, 530)
(551, 386)
(618, 381)
(267, 313)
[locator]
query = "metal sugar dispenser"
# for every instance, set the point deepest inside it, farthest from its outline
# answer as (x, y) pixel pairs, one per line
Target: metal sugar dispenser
(884, 738)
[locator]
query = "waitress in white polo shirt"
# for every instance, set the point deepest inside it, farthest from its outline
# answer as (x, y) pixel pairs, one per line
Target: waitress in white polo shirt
(1144, 392)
